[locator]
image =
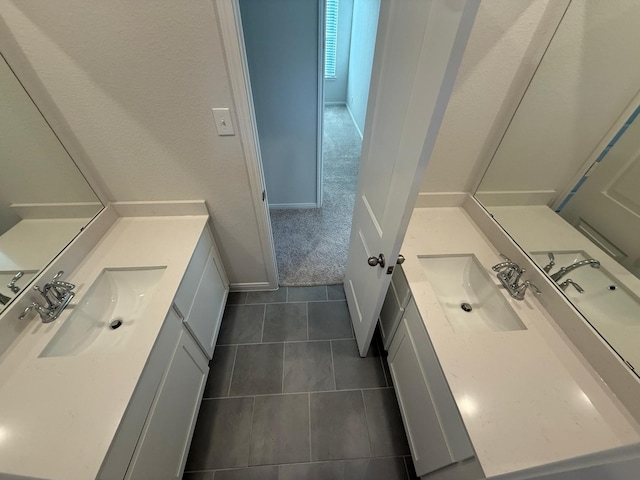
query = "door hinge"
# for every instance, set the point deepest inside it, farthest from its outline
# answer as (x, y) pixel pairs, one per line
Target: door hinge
(264, 195)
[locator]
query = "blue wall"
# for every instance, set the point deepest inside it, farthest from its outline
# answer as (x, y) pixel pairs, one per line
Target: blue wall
(335, 90)
(281, 40)
(363, 42)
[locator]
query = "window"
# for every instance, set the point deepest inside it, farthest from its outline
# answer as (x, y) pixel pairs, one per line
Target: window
(330, 38)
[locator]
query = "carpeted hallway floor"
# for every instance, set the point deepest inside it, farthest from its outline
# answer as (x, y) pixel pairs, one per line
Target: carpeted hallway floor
(312, 244)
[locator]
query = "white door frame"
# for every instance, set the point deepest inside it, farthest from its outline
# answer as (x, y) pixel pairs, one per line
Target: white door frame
(319, 150)
(233, 44)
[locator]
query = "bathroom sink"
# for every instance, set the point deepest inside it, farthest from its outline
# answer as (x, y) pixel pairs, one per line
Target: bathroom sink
(605, 300)
(469, 296)
(107, 314)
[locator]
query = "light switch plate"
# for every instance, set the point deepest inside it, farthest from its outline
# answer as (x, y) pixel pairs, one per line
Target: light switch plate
(224, 125)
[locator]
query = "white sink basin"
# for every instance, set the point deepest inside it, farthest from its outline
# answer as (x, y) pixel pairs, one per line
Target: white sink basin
(460, 281)
(117, 298)
(604, 301)
(5, 278)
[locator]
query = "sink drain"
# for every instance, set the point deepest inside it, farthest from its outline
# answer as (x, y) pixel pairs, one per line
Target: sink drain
(115, 324)
(612, 287)
(466, 307)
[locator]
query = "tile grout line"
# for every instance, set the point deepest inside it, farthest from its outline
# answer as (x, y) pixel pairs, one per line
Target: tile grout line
(366, 419)
(253, 411)
(333, 367)
(284, 347)
(309, 403)
(286, 341)
(264, 317)
(307, 310)
(233, 367)
(406, 468)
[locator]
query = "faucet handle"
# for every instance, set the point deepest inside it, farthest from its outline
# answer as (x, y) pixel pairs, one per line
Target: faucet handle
(552, 261)
(34, 306)
(507, 259)
(568, 282)
(12, 284)
(527, 284)
(58, 275)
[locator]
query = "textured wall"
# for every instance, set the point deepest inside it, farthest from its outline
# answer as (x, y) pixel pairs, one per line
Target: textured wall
(136, 82)
(363, 42)
(335, 90)
(507, 41)
(34, 168)
(587, 78)
(281, 40)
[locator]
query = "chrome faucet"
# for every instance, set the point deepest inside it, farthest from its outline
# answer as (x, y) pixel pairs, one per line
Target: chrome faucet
(57, 295)
(552, 261)
(568, 282)
(12, 284)
(509, 274)
(564, 270)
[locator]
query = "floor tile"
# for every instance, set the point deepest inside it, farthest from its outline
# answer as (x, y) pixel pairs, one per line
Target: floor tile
(329, 320)
(198, 476)
(307, 294)
(353, 371)
(241, 324)
(386, 429)
(389, 468)
(335, 292)
(222, 434)
(280, 432)
(338, 426)
(251, 473)
(258, 370)
(237, 298)
(220, 369)
(313, 471)
(308, 367)
(275, 296)
(285, 322)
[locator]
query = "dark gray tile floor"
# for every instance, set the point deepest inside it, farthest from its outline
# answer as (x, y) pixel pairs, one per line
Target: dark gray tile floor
(288, 396)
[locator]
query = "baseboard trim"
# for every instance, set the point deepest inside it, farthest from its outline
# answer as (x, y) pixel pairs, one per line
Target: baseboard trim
(160, 208)
(335, 103)
(354, 120)
(251, 287)
(516, 198)
(281, 206)
(440, 199)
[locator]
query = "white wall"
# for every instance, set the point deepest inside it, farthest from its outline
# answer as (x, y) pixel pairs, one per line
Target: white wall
(281, 40)
(34, 168)
(507, 41)
(586, 80)
(136, 82)
(363, 42)
(335, 89)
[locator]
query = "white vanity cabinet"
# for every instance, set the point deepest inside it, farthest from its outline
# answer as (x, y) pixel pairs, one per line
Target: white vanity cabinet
(395, 302)
(155, 434)
(436, 434)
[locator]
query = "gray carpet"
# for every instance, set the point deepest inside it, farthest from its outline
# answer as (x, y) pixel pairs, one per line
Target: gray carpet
(312, 244)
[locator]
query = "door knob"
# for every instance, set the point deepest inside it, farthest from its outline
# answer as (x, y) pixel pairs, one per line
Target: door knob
(379, 260)
(400, 260)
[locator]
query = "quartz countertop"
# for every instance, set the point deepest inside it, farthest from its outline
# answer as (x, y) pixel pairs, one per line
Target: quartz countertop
(527, 398)
(59, 415)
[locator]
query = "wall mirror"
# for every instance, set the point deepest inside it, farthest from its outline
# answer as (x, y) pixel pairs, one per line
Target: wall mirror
(44, 199)
(565, 179)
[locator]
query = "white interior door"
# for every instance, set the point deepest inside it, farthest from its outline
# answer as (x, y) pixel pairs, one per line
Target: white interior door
(418, 51)
(609, 201)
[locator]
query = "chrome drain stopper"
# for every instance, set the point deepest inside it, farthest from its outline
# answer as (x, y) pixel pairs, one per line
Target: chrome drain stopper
(115, 324)
(466, 307)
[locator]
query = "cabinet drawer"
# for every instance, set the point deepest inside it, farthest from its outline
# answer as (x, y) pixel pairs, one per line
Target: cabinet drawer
(208, 306)
(390, 316)
(399, 281)
(187, 289)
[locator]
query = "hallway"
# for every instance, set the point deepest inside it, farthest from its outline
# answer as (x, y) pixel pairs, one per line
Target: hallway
(312, 244)
(288, 396)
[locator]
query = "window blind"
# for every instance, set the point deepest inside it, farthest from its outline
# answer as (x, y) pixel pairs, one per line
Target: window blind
(330, 38)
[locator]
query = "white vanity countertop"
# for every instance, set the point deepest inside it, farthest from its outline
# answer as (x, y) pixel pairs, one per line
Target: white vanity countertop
(58, 415)
(527, 397)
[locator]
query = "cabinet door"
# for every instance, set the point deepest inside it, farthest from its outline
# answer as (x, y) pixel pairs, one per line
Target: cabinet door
(208, 306)
(164, 444)
(426, 439)
(184, 296)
